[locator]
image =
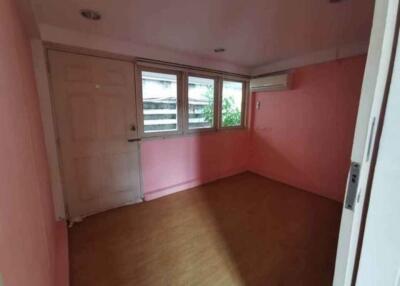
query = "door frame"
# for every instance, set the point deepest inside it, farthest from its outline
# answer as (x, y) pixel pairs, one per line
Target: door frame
(370, 116)
(47, 111)
(376, 176)
(374, 152)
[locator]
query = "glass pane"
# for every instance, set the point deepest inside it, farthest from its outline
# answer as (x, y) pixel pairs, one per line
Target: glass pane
(201, 102)
(232, 97)
(160, 94)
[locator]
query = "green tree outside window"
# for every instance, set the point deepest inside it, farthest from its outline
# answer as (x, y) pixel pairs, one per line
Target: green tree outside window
(231, 115)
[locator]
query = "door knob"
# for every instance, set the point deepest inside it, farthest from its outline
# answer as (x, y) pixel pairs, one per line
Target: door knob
(133, 127)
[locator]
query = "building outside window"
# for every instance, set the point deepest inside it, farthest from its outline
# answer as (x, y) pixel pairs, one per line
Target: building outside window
(160, 102)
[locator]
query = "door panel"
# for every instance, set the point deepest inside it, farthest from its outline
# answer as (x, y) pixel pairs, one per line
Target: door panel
(82, 117)
(95, 112)
(380, 256)
(372, 93)
(90, 173)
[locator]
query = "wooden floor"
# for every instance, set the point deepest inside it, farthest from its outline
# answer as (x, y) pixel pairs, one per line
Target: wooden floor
(243, 230)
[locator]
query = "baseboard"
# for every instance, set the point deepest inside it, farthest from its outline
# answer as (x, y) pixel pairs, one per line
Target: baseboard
(260, 173)
(184, 186)
(152, 195)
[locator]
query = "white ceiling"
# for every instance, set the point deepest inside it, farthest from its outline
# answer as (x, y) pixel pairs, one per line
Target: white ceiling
(253, 32)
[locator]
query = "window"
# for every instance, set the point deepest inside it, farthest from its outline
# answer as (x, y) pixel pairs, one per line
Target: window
(232, 104)
(205, 102)
(160, 101)
(201, 102)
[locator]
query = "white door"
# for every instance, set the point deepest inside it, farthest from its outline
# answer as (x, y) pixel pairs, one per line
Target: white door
(375, 77)
(380, 256)
(95, 112)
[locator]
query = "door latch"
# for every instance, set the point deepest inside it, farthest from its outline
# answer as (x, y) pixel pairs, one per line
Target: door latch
(352, 185)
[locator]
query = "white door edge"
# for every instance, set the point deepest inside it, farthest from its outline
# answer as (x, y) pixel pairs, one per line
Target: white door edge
(375, 77)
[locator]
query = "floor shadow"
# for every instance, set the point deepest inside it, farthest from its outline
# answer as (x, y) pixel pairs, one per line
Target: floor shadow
(242, 230)
(275, 234)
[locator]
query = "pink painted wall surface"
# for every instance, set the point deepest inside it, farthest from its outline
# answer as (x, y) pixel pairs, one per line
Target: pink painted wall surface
(175, 164)
(30, 239)
(303, 137)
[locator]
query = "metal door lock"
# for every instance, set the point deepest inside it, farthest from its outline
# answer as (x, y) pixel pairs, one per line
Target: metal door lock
(352, 186)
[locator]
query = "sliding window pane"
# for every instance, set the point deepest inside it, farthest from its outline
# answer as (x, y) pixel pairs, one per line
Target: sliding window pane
(160, 98)
(232, 103)
(201, 102)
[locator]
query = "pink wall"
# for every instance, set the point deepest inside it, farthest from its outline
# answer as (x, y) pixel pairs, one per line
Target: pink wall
(30, 239)
(175, 164)
(303, 137)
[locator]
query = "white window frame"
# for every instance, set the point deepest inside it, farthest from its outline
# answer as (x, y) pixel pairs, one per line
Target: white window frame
(183, 99)
(186, 103)
(140, 112)
(243, 114)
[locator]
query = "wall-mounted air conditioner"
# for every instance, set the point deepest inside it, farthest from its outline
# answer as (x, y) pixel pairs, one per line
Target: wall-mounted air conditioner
(275, 82)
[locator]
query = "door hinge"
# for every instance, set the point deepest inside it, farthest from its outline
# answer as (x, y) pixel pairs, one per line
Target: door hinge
(352, 185)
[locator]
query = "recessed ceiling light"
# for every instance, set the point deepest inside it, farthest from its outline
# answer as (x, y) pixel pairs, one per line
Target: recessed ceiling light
(90, 14)
(219, 50)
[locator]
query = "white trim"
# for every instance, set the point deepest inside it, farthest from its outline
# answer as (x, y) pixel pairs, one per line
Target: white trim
(379, 260)
(311, 59)
(68, 37)
(192, 69)
(376, 72)
(46, 112)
